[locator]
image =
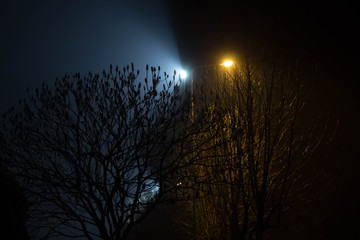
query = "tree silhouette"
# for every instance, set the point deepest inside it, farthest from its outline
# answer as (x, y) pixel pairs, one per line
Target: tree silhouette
(251, 170)
(97, 154)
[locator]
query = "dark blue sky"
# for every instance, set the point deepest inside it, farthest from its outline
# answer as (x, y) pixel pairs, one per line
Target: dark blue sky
(43, 39)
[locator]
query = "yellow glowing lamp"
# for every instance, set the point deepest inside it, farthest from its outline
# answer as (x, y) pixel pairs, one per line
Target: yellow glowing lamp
(228, 63)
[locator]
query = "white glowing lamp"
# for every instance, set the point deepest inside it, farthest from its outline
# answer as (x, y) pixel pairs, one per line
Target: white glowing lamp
(183, 74)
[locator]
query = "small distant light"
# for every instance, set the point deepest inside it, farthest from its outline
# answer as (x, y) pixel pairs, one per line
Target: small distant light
(228, 63)
(183, 74)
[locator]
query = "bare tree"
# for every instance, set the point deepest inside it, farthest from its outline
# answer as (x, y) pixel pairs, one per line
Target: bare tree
(96, 154)
(263, 137)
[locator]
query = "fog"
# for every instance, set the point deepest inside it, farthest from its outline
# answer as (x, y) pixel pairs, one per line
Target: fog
(46, 39)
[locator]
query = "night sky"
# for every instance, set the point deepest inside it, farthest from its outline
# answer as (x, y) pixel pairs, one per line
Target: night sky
(42, 40)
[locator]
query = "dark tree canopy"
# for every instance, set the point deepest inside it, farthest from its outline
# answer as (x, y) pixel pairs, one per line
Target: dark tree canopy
(260, 136)
(95, 153)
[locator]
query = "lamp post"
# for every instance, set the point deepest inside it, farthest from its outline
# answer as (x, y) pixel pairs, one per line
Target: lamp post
(227, 63)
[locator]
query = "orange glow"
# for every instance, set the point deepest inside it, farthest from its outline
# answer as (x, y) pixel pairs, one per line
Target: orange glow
(227, 63)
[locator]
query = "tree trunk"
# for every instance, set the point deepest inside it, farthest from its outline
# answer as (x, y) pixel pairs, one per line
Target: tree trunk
(234, 226)
(260, 225)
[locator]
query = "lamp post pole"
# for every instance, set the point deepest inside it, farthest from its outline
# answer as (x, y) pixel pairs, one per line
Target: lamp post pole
(192, 86)
(193, 119)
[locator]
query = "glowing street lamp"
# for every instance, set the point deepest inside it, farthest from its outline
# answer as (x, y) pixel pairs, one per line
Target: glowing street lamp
(227, 63)
(183, 74)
